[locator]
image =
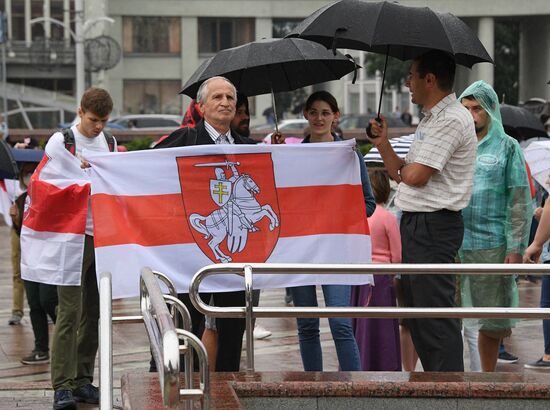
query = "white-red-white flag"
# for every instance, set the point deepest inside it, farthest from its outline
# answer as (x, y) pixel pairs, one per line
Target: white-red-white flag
(177, 210)
(5, 202)
(54, 221)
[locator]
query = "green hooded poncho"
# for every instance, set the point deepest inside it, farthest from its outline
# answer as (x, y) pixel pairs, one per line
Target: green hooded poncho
(498, 217)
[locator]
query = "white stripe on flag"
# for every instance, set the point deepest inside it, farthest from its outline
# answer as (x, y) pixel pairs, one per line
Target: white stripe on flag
(117, 174)
(126, 262)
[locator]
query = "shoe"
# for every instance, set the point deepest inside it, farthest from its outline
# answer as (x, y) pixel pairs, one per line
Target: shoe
(261, 333)
(87, 394)
(36, 357)
(15, 319)
(539, 365)
(505, 357)
(64, 400)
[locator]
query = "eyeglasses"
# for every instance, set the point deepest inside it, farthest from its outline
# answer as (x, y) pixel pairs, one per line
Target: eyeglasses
(323, 114)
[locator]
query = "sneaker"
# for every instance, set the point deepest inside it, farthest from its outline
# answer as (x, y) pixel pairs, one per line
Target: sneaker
(539, 365)
(36, 357)
(505, 357)
(15, 319)
(64, 400)
(87, 394)
(261, 333)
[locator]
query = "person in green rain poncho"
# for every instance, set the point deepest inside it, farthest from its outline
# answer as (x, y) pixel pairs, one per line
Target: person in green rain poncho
(496, 221)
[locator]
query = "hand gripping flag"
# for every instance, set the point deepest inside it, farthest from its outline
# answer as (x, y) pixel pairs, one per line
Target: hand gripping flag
(178, 210)
(54, 221)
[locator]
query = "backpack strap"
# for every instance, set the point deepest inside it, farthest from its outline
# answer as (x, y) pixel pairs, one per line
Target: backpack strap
(68, 139)
(70, 143)
(110, 140)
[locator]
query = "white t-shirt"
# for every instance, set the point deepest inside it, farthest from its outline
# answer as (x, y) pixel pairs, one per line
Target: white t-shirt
(98, 143)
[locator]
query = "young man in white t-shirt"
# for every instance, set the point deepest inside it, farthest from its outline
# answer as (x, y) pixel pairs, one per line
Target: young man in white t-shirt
(75, 340)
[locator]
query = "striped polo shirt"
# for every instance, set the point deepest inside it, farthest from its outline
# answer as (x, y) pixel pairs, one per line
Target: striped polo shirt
(446, 141)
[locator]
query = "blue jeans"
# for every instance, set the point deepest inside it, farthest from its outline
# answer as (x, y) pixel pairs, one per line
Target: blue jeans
(545, 303)
(341, 329)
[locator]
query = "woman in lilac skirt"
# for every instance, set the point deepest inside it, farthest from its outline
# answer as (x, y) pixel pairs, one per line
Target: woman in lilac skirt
(378, 339)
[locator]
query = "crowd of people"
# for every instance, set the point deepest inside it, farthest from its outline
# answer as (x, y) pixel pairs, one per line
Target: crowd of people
(464, 196)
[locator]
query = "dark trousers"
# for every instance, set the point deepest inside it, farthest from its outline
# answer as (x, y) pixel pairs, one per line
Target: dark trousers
(230, 331)
(42, 301)
(75, 339)
(433, 237)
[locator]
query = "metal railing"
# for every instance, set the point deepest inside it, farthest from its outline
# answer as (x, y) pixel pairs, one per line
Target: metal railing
(164, 337)
(249, 312)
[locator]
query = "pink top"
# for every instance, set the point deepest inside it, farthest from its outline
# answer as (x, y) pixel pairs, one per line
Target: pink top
(385, 237)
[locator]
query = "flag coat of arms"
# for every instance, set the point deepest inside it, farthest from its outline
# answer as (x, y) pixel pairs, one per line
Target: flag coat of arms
(54, 221)
(177, 210)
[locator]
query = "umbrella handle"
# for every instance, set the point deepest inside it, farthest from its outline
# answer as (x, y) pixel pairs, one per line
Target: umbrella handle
(274, 111)
(382, 88)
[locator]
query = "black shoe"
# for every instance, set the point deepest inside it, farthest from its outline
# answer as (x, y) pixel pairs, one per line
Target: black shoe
(505, 357)
(63, 400)
(36, 357)
(538, 365)
(87, 394)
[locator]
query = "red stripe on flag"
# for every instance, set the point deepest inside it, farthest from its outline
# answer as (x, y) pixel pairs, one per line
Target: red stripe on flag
(155, 220)
(3, 185)
(149, 220)
(54, 209)
(317, 210)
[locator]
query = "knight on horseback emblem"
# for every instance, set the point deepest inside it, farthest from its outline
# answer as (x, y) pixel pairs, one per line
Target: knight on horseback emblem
(238, 210)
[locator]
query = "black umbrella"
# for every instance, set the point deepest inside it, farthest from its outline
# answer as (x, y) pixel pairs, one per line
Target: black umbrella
(8, 164)
(392, 29)
(520, 122)
(272, 65)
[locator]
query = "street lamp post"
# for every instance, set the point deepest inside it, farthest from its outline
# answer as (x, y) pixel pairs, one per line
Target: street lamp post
(81, 27)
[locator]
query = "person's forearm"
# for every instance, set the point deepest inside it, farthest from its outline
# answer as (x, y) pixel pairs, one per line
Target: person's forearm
(543, 231)
(392, 162)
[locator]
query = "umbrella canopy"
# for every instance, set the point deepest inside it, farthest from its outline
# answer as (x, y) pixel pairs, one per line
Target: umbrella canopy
(400, 145)
(393, 29)
(537, 156)
(520, 122)
(272, 65)
(8, 164)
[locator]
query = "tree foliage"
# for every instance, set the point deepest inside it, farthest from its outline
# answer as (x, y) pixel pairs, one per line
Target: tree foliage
(396, 71)
(507, 61)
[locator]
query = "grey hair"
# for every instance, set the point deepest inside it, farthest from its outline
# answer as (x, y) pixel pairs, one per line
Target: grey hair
(202, 93)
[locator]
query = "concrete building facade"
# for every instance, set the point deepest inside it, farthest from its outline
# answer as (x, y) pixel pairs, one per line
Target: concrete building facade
(164, 41)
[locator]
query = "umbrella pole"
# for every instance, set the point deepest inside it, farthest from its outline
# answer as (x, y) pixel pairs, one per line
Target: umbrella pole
(382, 88)
(274, 111)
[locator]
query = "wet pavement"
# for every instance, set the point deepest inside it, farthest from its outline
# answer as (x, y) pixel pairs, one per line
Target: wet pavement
(28, 386)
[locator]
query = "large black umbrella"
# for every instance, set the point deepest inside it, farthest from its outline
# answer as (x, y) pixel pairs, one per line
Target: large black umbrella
(8, 164)
(520, 122)
(392, 29)
(272, 65)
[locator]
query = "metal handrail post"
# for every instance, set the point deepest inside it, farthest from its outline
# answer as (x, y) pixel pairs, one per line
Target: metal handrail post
(163, 337)
(249, 320)
(105, 342)
(204, 375)
(177, 305)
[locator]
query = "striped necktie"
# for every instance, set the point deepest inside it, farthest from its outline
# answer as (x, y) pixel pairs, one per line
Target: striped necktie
(222, 139)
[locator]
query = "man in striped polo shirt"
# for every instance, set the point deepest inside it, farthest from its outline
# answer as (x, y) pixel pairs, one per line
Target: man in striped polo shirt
(435, 184)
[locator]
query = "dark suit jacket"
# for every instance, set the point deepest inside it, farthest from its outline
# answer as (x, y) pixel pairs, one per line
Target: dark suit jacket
(183, 137)
(230, 331)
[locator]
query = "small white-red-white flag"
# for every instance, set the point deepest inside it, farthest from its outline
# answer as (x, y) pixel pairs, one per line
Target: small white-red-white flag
(54, 221)
(177, 210)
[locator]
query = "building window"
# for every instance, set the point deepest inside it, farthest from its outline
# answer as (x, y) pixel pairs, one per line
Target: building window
(151, 35)
(152, 97)
(217, 34)
(281, 27)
